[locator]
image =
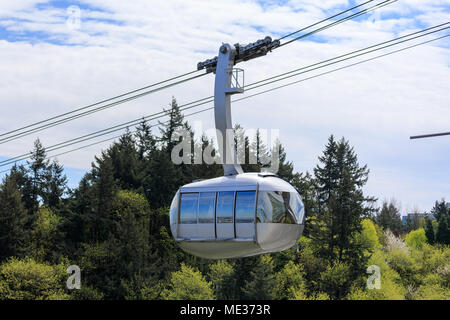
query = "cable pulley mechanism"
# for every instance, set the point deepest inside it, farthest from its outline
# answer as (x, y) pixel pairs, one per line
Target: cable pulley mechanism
(243, 53)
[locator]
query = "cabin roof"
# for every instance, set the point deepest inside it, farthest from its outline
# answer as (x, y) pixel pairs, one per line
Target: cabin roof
(250, 181)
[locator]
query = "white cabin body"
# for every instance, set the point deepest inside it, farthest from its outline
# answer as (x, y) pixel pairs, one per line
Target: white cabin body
(237, 216)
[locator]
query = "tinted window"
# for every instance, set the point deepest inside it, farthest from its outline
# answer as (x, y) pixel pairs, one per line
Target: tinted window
(206, 207)
(245, 206)
(274, 206)
(188, 208)
(225, 201)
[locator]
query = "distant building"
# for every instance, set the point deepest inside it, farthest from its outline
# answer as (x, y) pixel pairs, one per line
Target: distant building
(411, 216)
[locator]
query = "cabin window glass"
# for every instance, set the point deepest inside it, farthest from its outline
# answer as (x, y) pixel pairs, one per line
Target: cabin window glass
(297, 207)
(245, 206)
(188, 208)
(274, 207)
(225, 201)
(174, 209)
(207, 201)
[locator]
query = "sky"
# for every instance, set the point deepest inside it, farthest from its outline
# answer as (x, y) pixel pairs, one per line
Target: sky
(52, 62)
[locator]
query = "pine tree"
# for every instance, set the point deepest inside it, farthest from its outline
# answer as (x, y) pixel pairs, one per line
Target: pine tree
(389, 217)
(13, 219)
(145, 141)
(55, 184)
(125, 163)
(104, 190)
(439, 209)
(39, 168)
(339, 181)
(260, 284)
(176, 121)
(443, 231)
(429, 232)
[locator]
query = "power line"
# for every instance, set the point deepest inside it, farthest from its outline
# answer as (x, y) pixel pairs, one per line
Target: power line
(45, 124)
(259, 93)
(324, 20)
(64, 120)
(355, 15)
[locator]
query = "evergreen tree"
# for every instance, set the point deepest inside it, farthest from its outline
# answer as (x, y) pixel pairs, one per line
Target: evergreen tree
(260, 285)
(124, 160)
(39, 168)
(104, 190)
(188, 284)
(443, 231)
(439, 210)
(176, 121)
(145, 141)
(260, 151)
(389, 217)
(55, 184)
(13, 218)
(342, 206)
(429, 232)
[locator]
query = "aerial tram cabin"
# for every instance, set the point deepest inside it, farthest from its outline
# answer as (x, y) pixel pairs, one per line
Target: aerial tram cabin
(239, 214)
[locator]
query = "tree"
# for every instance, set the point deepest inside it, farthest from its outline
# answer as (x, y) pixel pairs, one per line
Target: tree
(46, 236)
(221, 275)
(124, 160)
(168, 128)
(188, 284)
(13, 219)
(261, 280)
(443, 231)
(28, 280)
(38, 166)
(416, 238)
(341, 209)
(439, 210)
(290, 282)
(55, 185)
(389, 217)
(342, 205)
(429, 232)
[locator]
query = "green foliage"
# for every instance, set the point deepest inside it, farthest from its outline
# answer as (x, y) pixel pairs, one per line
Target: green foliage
(290, 283)
(416, 238)
(29, 280)
(13, 219)
(389, 217)
(221, 275)
(432, 292)
(429, 232)
(46, 235)
(443, 231)
(368, 236)
(335, 280)
(390, 288)
(188, 284)
(261, 280)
